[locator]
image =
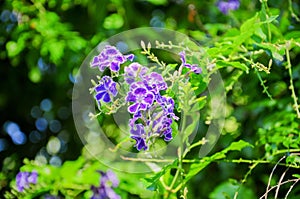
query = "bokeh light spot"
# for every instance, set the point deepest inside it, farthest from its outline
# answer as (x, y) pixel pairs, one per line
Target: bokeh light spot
(53, 146)
(13, 130)
(36, 112)
(41, 124)
(46, 105)
(3, 144)
(55, 161)
(55, 126)
(63, 113)
(35, 136)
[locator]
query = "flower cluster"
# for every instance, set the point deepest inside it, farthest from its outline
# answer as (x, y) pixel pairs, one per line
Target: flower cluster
(151, 118)
(108, 181)
(24, 179)
(110, 57)
(226, 6)
(152, 111)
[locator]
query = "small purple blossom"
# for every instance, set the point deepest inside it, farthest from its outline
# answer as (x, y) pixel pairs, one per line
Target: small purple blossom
(108, 181)
(24, 179)
(141, 97)
(167, 104)
(110, 57)
(226, 6)
(193, 67)
(105, 90)
(134, 72)
(138, 133)
(155, 82)
(162, 126)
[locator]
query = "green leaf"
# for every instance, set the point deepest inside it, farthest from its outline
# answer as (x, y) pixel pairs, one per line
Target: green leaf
(70, 168)
(292, 35)
(270, 19)
(192, 127)
(227, 190)
(276, 52)
(296, 175)
(158, 2)
(197, 167)
(155, 179)
(250, 25)
(242, 66)
(113, 21)
(237, 146)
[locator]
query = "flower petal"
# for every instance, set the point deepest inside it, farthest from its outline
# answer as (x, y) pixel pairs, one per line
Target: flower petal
(133, 108)
(106, 98)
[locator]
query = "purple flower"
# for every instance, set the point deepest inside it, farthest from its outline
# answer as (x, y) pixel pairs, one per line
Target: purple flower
(167, 104)
(226, 6)
(141, 97)
(138, 133)
(110, 57)
(109, 176)
(134, 72)
(24, 179)
(193, 67)
(108, 181)
(48, 196)
(162, 126)
(155, 82)
(105, 89)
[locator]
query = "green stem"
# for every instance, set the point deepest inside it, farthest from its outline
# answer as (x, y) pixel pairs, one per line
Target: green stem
(180, 161)
(265, 5)
(292, 11)
(289, 67)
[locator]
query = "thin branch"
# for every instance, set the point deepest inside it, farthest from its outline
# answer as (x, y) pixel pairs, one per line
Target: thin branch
(285, 182)
(269, 182)
(279, 182)
(291, 187)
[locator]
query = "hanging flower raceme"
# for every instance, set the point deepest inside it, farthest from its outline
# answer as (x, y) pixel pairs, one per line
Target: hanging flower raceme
(226, 6)
(154, 110)
(108, 181)
(152, 113)
(25, 179)
(110, 57)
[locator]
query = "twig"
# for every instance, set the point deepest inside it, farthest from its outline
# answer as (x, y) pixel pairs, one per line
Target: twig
(291, 180)
(279, 182)
(269, 182)
(291, 187)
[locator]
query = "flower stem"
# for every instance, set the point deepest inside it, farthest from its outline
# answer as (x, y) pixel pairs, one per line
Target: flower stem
(289, 67)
